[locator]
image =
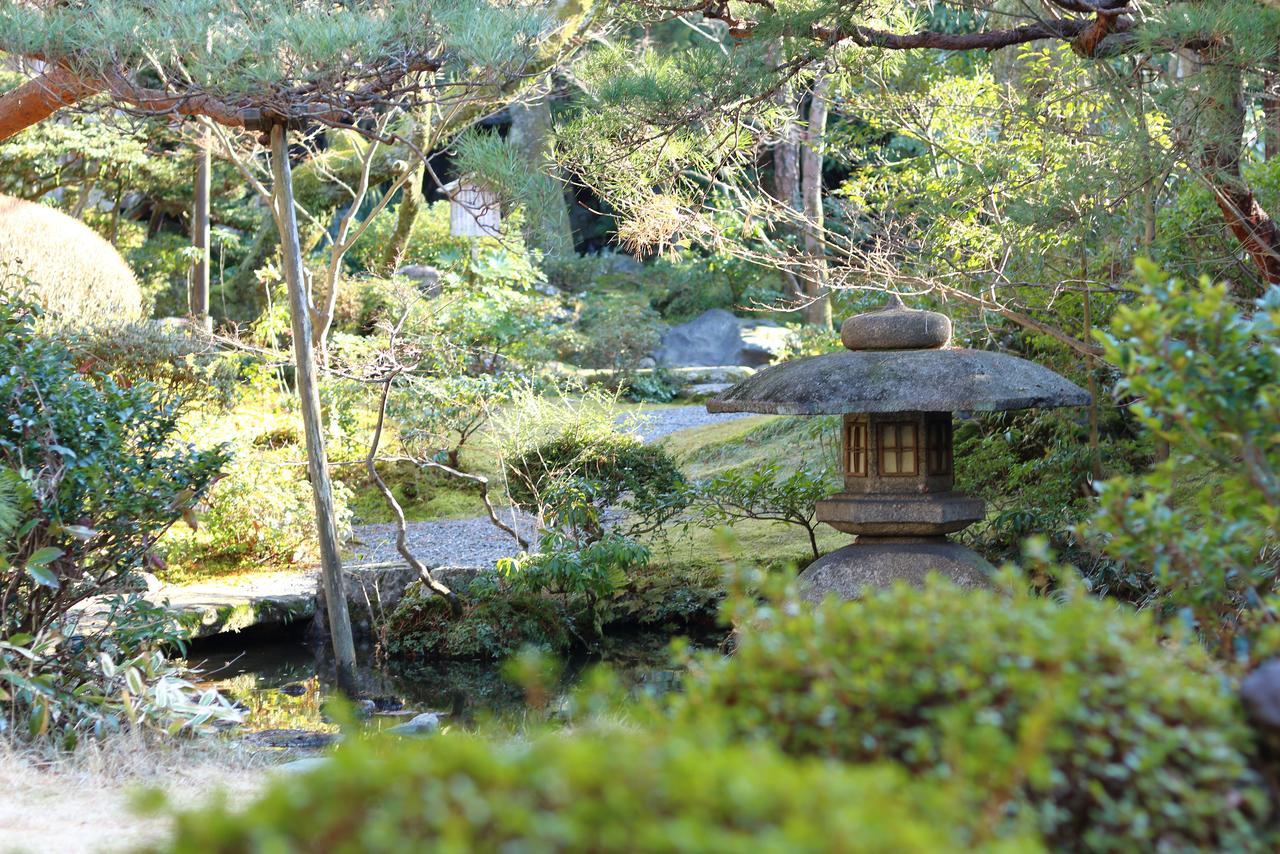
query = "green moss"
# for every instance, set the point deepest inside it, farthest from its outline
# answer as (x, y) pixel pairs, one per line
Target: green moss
(751, 442)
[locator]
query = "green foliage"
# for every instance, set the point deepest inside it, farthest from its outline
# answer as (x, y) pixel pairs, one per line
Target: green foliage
(495, 624)
(501, 616)
(91, 473)
(763, 493)
(614, 330)
(238, 47)
(1206, 375)
(1032, 469)
(655, 386)
(1069, 713)
(261, 512)
(176, 359)
(606, 464)
(570, 481)
(101, 473)
(605, 792)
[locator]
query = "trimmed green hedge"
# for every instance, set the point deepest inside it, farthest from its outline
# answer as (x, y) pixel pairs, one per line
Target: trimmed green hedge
(64, 265)
(1072, 712)
(620, 792)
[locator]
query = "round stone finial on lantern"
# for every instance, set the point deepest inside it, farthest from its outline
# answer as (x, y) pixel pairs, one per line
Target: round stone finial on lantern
(896, 327)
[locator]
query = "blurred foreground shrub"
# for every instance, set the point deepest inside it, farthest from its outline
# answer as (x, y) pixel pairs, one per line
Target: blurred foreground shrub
(1071, 712)
(617, 793)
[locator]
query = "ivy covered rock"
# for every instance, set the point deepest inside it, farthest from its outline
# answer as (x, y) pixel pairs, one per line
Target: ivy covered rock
(1071, 712)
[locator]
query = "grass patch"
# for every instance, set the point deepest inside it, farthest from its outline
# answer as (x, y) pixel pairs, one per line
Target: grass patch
(704, 452)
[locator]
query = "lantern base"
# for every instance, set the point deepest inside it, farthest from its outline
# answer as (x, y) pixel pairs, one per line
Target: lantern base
(881, 563)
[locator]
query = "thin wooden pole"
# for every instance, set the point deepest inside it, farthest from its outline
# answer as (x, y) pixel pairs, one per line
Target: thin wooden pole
(199, 294)
(1095, 446)
(344, 650)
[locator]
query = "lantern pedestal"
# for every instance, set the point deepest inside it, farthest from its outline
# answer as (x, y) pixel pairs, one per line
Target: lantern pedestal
(882, 562)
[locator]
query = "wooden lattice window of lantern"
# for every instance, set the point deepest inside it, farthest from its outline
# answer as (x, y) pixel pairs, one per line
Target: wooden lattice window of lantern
(856, 447)
(899, 449)
(937, 443)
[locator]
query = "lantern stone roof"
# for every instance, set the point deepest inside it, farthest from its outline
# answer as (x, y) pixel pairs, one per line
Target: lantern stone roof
(901, 364)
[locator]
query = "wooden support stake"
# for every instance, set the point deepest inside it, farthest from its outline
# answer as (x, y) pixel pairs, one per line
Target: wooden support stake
(344, 650)
(199, 294)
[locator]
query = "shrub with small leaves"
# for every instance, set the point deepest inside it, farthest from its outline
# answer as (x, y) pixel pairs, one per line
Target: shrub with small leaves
(1205, 372)
(1068, 711)
(602, 792)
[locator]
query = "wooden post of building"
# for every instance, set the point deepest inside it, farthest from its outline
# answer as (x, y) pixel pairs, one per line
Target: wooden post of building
(344, 650)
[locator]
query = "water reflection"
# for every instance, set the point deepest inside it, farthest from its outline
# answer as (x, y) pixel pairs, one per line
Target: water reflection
(284, 685)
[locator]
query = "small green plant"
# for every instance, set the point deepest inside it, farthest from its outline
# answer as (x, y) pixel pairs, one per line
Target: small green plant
(119, 678)
(763, 493)
(611, 467)
(1205, 373)
(654, 386)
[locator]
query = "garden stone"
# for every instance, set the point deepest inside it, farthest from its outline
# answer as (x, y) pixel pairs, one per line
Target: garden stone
(426, 723)
(426, 278)
(717, 374)
(1260, 692)
(764, 342)
(712, 338)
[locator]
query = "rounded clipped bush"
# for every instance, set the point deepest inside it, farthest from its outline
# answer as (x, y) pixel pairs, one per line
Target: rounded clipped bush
(622, 793)
(616, 463)
(1071, 712)
(62, 264)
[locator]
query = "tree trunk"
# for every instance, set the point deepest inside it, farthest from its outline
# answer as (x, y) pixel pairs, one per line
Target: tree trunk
(1221, 143)
(1271, 113)
(317, 463)
(549, 229)
(412, 199)
(818, 308)
(786, 167)
(199, 292)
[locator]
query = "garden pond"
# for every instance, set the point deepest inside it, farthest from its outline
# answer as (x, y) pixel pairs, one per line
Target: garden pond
(284, 684)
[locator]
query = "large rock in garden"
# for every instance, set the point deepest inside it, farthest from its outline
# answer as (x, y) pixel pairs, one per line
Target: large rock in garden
(712, 338)
(64, 266)
(426, 278)
(764, 342)
(716, 338)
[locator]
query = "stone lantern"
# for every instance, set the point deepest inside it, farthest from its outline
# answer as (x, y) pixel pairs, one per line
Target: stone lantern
(474, 209)
(897, 386)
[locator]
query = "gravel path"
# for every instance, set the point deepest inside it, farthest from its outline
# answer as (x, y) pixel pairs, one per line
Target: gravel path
(476, 542)
(656, 423)
(442, 542)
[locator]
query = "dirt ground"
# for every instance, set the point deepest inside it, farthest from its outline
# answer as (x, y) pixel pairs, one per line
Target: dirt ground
(86, 801)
